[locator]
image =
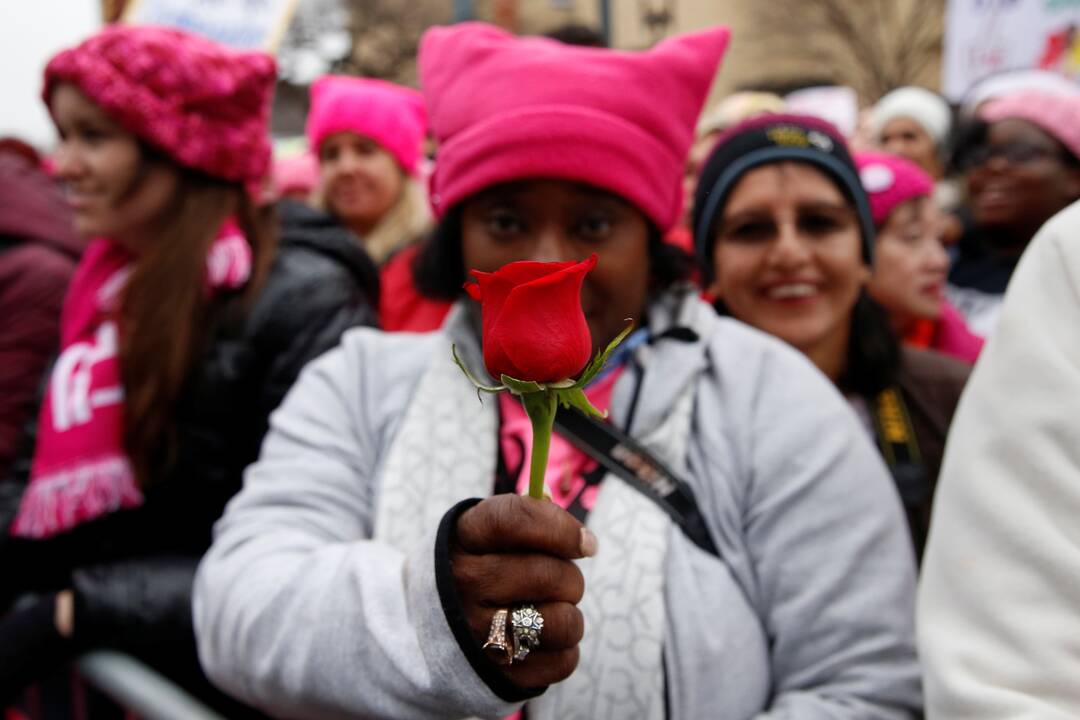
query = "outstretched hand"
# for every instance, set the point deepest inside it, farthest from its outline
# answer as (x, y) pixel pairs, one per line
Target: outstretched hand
(510, 550)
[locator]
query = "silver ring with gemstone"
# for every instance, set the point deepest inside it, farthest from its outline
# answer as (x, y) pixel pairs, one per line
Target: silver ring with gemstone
(496, 643)
(527, 623)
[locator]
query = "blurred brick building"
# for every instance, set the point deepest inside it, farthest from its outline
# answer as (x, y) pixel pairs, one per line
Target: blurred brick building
(871, 45)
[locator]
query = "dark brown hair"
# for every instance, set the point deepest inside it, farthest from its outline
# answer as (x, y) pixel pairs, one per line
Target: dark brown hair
(167, 314)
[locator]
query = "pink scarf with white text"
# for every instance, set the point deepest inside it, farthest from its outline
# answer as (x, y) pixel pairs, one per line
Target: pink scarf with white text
(80, 470)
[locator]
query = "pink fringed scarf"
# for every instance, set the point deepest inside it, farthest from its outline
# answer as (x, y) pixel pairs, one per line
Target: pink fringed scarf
(80, 471)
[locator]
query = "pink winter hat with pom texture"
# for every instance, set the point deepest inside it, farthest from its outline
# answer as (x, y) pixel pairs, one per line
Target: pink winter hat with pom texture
(205, 106)
(891, 181)
(1057, 115)
(504, 108)
(389, 114)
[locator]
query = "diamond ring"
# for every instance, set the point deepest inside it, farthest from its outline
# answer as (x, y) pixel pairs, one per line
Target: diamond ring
(496, 640)
(527, 623)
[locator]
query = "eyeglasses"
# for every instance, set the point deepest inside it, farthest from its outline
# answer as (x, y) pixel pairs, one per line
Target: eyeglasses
(1016, 153)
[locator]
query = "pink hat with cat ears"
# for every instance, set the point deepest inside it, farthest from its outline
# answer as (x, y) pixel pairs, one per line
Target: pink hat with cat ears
(504, 108)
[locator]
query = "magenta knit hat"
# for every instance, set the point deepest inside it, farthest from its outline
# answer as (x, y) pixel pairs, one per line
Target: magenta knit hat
(205, 106)
(505, 108)
(298, 173)
(1057, 115)
(891, 181)
(389, 114)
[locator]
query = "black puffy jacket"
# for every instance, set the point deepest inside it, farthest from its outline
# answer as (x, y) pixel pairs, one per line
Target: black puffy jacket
(132, 570)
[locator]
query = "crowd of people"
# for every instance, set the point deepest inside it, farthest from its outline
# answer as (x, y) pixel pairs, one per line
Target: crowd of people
(234, 443)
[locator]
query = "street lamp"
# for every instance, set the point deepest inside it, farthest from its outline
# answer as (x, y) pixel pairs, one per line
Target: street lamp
(463, 10)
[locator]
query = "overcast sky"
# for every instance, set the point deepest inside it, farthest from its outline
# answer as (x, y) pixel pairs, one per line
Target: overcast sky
(30, 33)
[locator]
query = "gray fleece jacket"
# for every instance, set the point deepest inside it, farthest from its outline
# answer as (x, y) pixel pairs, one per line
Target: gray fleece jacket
(809, 613)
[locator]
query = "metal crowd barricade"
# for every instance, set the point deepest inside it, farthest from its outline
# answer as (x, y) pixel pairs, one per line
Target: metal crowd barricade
(139, 690)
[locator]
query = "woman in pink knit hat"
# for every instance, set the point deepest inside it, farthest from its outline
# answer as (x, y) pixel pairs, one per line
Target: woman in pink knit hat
(706, 550)
(368, 136)
(1022, 166)
(910, 263)
(184, 324)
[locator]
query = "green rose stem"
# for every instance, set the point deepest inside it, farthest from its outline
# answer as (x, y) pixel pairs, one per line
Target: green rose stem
(541, 408)
(542, 400)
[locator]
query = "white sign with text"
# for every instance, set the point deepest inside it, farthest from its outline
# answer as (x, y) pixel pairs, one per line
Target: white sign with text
(244, 24)
(984, 37)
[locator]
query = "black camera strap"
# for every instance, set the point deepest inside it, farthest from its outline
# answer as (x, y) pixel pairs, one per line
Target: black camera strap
(622, 455)
(900, 448)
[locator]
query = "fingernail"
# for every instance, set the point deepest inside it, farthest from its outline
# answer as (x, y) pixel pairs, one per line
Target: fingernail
(589, 545)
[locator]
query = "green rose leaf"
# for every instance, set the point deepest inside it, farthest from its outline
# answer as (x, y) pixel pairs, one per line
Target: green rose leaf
(521, 387)
(575, 398)
(600, 360)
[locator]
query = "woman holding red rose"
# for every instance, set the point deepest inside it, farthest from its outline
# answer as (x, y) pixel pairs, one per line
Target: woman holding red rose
(354, 576)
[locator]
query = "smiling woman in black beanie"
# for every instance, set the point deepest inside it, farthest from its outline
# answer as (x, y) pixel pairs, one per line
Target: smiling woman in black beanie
(784, 237)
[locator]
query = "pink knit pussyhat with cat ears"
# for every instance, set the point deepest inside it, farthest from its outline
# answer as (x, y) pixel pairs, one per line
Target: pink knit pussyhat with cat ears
(504, 108)
(203, 105)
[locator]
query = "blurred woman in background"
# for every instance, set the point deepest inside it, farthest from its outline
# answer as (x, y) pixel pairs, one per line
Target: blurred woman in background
(184, 326)
(910, 263)
(916, 124)
(785, 240)
(1022, 166)
(368, 136)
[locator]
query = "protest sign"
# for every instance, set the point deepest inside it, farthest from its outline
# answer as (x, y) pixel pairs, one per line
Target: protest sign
(245, 24)
(984, 37)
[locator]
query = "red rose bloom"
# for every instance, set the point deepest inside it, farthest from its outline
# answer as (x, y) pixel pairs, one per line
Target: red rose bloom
(534, 328)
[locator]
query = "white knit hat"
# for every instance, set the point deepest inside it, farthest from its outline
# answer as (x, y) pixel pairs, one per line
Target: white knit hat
(926, 108)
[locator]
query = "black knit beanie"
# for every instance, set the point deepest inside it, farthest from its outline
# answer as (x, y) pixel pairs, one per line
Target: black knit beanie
(770, 139)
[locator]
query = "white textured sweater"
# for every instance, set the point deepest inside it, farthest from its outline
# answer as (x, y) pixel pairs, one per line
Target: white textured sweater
(999, 605)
